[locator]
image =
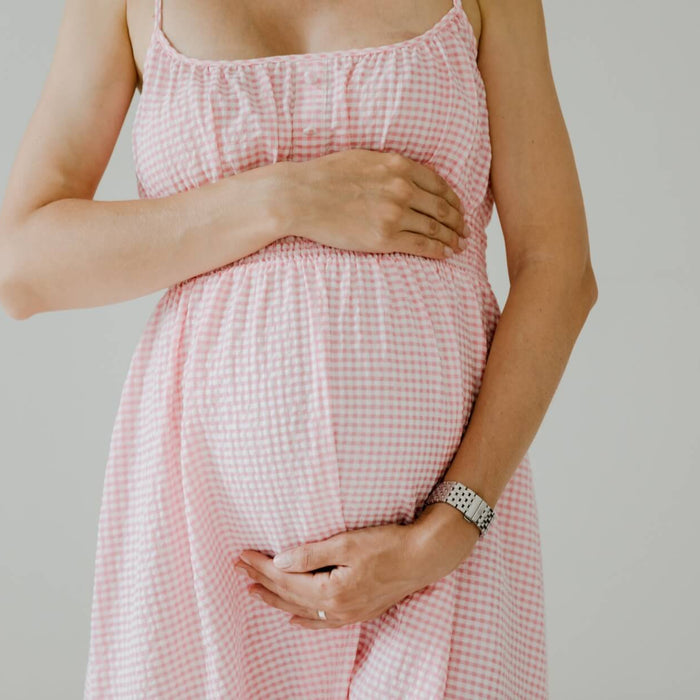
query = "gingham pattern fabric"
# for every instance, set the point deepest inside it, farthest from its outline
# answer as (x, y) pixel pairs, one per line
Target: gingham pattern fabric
(305, 390)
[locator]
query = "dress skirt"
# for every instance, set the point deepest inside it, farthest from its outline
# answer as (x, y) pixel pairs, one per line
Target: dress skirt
(300, 392)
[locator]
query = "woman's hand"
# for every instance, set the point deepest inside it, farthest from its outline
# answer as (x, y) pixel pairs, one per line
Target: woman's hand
(372, 201)
(373, 569)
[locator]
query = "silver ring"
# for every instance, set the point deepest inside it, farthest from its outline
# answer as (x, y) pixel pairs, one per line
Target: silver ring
(321, 614)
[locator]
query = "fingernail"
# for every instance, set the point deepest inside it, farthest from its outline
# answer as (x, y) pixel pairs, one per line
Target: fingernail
(283, 561)
(448, 251)
(462, 243)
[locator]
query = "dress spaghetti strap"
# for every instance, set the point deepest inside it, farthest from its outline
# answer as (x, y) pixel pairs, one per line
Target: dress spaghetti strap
(158, 14)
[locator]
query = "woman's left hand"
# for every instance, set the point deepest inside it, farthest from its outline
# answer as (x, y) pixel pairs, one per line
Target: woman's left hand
(374, 568)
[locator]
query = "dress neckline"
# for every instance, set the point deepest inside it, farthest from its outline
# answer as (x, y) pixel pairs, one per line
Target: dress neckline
(455, 13)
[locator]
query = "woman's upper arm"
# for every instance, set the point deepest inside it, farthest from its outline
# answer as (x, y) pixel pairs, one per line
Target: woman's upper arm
(533, 172)
(80, 112)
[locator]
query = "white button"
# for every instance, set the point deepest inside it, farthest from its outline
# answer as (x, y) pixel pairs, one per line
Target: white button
(311, 77)
(309, 130)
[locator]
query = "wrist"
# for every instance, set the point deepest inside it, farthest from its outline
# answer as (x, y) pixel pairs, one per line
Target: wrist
(283, 197)
(442, 539)
(268, 191)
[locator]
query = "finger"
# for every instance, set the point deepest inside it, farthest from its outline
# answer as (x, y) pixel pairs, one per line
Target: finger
(427, 179)
(417, 222)
(440, 210)
(277, 586)
(298, 588)
(413, 243)
(310, 556)
(270, 598)
(298, 613)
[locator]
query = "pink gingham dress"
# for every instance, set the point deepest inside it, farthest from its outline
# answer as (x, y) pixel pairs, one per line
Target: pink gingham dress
(306, 390)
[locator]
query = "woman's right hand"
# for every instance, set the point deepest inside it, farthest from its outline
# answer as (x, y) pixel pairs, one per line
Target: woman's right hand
(373, 201)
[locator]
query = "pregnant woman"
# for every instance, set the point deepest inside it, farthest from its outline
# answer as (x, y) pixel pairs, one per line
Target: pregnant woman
(314, 181)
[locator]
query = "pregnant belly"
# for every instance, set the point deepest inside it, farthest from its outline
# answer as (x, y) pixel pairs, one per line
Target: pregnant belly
(324, 392)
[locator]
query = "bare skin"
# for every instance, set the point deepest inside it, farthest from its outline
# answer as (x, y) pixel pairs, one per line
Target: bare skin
(253, 28)
(59, 249)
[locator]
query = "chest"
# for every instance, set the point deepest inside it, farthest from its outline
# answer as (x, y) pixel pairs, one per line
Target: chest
(201, 119)
(242, 30)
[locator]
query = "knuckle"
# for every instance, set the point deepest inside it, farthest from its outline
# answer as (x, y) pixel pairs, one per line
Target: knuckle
(305, 559)
(443, 208)
(396, 161)
(326, 588)
(390, 215)
(382, 237)
(433, 226)
(401, 189)
(422, 243)
(442, 185)
(335, 597)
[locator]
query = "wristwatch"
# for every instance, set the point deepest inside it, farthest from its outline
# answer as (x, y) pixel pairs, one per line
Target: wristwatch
(472, 506)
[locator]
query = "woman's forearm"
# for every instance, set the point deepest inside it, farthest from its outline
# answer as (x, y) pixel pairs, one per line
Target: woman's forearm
(546, 308)
(75, 253)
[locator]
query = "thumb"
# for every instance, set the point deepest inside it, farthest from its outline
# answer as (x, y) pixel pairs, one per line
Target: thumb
(310, 556)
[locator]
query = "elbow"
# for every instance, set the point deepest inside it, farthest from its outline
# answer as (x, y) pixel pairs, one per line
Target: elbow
(590, 286)
(13, 305)
(14, 296)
